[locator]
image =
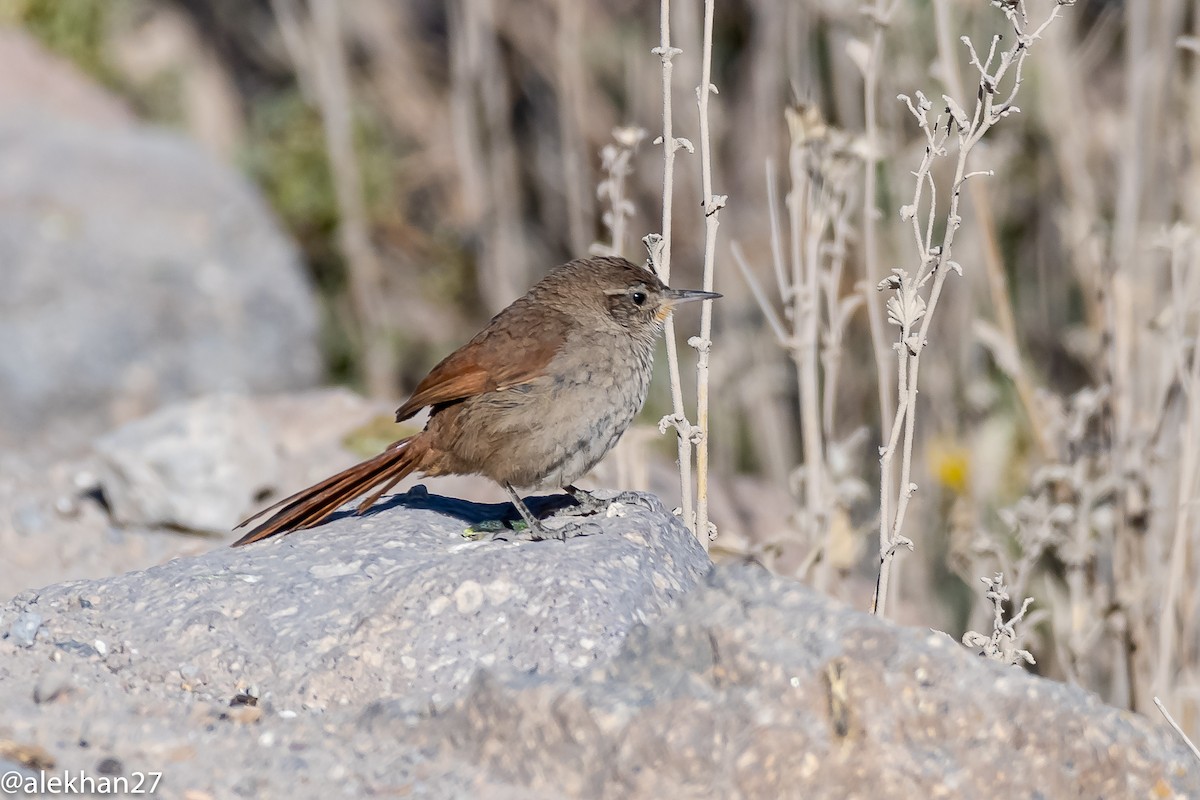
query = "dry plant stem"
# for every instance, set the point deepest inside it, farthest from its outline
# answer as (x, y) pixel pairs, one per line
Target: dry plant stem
(1179, 730)
(810, 328)
(1001, 644)
(992, 261)
(366, 272)
(505, 258)
(295, 42)
(777, 260)
(805, 216)
(936, 263)
(570, 89)
(670, 144)
(615, 159)
(831, 352)
(879, 14)
(1189, 380)
(712, 209)
(468, 150)
(1132, 163)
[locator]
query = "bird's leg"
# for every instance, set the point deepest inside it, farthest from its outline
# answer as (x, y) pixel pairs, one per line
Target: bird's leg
(538, 530)
(589, 504)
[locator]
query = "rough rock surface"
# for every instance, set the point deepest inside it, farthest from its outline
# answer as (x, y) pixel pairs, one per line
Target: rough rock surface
(359, 639)
(757, 687)
(54, 527)
(393, 604)
(198, 466)
(136, 270)
(34, 79)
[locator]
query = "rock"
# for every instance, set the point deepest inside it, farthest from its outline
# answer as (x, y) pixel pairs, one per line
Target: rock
(315, 643)
(394, 604)
(615, 671)
(33, 79)
(196, 466)
(54, 526)
(136, 270)
(24, 630)
(757, 687)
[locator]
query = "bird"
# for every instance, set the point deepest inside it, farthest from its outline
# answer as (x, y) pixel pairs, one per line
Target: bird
(535, 399)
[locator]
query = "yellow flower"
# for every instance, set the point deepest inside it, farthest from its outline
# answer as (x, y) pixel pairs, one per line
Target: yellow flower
(950, 464)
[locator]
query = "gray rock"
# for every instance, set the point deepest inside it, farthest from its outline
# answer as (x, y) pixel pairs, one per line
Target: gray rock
(136, 270)
(394, 604)
(757, 687)
(54, 527)
(24, 630)
(358, 638)
(196, 466)
(33, 78)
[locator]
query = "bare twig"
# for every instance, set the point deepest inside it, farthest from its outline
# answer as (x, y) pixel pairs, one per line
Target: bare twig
(615, 159)
(660, 259)
(712, 205)
(880, 14)
(822, 162)
(1179, 730)
(571, 94)
(1001, 644)
(365, 271)
(908, 308)
(811, 205)
(992, 261)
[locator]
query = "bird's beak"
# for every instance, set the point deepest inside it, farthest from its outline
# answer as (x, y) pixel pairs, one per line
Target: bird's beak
(674, 297)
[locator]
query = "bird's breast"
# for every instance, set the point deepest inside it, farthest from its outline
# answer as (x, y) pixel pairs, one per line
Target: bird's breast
(549, 431)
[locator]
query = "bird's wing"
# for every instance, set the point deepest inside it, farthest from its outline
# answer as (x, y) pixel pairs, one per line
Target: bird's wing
(514, 348)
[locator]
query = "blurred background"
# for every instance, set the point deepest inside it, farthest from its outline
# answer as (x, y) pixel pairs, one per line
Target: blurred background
(267, 197)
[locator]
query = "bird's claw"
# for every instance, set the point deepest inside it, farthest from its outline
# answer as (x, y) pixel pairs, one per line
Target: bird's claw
(588, 504)
(540, 533)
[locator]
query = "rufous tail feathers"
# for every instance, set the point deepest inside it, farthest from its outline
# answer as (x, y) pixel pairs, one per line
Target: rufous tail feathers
(311, 506)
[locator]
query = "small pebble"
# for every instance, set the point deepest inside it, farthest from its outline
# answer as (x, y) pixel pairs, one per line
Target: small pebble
(25, 629)
(66, 506)
(110, 766)
(82, 649)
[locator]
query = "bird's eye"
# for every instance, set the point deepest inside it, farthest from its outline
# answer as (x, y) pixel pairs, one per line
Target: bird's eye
(638, 298)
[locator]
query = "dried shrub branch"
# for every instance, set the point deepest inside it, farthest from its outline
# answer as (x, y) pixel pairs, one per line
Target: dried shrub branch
(318, 51)
(915, 297)
(616, 161)
(1003, 643)
(879, 15)
(808, 264)
(659, 249)
(712, 205)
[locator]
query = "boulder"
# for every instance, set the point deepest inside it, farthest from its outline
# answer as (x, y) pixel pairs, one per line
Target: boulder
(392, 604)
(197, 466)
(386, 655)
(757, 687)
(136, 268)
(143, 492)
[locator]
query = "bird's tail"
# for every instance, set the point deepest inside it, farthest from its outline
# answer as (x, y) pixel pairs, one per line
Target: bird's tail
(311, 506)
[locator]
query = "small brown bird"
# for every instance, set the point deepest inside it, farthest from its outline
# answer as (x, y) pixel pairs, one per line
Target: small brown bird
(536, 399)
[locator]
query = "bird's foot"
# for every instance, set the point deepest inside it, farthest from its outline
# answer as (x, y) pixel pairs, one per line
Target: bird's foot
(559, 529)
(588, 504)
